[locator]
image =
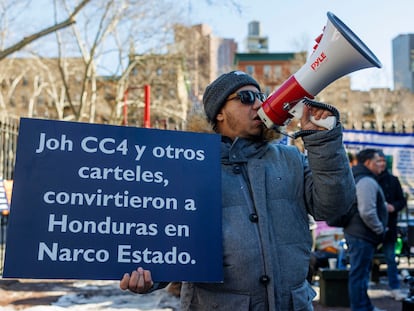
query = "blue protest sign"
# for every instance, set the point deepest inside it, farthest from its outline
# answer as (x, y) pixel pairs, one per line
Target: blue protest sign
(95, 201)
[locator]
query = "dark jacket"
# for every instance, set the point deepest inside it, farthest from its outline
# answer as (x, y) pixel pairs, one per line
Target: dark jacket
(370, 221)
(394, 195)
(268, 190)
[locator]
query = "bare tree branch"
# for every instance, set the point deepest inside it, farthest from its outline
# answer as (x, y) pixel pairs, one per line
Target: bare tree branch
(27, 40)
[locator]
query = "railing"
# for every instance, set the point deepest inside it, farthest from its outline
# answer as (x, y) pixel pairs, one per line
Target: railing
(4, 217)
(9, 128)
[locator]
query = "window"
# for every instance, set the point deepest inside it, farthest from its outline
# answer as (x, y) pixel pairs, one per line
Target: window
(294, 68)
(268, 90)
(412, 60)
(250, 70)
(367, 110)
(267, 71)
(158, 93)
(40, 100)
(277, 71)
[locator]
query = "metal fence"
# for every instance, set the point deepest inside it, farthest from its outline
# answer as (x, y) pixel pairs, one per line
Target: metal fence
(4, 217)
(9, 128)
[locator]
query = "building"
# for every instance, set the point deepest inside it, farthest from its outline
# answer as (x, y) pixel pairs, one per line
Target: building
(33, 87)
(179, 78)
(255, 42)
(206, 56)
(403, 62)
(269, 69)
(379, 109)
(169, 103)
(59, 88)
(227, 48)
(49, 88)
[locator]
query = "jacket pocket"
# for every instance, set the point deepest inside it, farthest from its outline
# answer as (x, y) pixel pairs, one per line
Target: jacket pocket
(302, 297)
(204, 300)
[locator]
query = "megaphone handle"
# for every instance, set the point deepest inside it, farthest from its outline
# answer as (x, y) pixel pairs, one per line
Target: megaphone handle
(328, 123)
(297, 112)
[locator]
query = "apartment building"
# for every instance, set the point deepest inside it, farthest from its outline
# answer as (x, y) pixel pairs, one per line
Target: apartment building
(35, 87)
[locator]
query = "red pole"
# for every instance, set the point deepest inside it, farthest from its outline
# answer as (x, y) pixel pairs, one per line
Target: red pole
(125, 108)
(147, 118)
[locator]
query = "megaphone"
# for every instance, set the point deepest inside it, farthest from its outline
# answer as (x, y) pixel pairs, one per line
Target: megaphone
(338, 52)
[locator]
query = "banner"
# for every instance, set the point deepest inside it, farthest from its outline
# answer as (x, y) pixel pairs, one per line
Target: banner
(398, 148)
(95, 201)
(4, 202)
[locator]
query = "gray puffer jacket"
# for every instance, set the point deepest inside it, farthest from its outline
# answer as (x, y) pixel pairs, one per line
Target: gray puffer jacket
(268, 190)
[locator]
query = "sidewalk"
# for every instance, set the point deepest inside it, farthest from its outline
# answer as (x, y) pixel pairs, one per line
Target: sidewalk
(77, 295)
(378, 293)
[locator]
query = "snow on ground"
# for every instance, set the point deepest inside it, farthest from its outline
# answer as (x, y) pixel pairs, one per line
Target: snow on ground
(95, 296)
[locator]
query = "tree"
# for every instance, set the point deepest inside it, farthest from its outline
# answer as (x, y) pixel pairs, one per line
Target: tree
(42, 33)
(101, 38)
(99, 34)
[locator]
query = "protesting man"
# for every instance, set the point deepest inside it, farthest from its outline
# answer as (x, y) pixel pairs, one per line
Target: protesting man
(268, 190)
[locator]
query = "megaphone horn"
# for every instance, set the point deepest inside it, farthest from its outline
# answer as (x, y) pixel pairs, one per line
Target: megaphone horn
(338, 53)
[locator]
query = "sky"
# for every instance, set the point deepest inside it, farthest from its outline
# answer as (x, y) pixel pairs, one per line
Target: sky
(292, 25)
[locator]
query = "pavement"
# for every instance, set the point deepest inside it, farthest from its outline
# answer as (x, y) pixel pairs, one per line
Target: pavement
(378, 292)
(78, 295)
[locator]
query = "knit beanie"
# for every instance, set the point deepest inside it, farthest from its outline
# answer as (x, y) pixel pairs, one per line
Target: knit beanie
(219, 90)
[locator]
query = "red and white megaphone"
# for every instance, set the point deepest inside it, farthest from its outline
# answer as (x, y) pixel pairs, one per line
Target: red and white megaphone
(338, 52)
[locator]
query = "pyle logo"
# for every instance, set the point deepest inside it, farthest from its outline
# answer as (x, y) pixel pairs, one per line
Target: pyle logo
(315, 65)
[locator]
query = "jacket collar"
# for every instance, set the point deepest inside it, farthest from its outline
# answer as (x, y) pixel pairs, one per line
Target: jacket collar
(362, 170)
(241, 150)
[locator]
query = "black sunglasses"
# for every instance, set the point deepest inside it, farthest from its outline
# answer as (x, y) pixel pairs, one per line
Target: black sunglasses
(248, 97)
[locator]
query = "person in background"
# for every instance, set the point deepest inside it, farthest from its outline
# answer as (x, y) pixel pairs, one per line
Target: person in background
(366, 229)
(395, 202)
(312, 228)
(352, 159)
(268, 190)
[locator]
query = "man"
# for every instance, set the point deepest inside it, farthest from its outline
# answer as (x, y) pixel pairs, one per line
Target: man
(396, 201)
(366, 229)
(268, 190)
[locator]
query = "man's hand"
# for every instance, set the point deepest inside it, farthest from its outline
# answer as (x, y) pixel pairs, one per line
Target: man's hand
(390, 208)
(140, 281)
(317, 113)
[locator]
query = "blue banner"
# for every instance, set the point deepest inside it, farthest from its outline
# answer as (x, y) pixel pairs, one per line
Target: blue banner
(95, 201)
(397, 147)
(4, 204)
